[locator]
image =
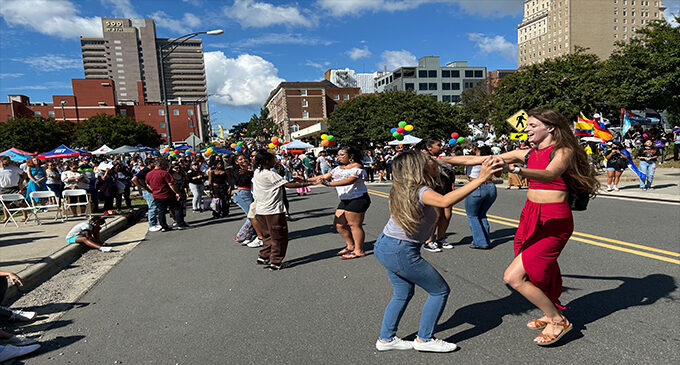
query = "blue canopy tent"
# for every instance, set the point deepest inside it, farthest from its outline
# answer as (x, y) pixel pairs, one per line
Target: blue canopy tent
(182, 148)
(61, 152)
(146, 149)
(219, 150)
(15, 156)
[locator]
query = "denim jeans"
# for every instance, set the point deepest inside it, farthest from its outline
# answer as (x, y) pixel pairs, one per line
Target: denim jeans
(197, 191)
(648, 168)
(406, 269)
(151, 213)
(476, 206)
(243, 198)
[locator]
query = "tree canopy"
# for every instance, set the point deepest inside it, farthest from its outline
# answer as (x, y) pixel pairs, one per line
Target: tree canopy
(35, 134)
(369, 118)
(114, 131)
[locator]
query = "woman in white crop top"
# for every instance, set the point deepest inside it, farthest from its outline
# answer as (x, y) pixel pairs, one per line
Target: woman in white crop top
(348, 180)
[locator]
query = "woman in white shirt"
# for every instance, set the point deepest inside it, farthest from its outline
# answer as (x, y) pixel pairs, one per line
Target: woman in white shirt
(348, 179)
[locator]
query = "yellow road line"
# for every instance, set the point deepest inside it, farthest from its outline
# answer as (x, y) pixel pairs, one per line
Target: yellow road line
(514, 223)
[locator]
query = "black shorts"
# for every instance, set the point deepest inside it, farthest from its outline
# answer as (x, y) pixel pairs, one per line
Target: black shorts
(356, 205)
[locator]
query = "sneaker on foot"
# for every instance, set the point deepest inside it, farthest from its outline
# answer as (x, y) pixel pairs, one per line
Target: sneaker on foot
(154, 228)
(276, 267)
(434, 345)
(11, 352)
(168, 229)
(255, 243)
(105, 249)
(18, 340)
(174, 224)
(19, 315)
(609, 188)
(396, 344)
(445, 244)
(616, 188)
(432, 247)
(262, 261)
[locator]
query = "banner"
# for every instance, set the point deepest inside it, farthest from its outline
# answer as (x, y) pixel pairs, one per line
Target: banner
(632, 166)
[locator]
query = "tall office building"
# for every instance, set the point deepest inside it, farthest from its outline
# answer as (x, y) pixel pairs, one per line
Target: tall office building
(349, 78)
(551, 28)
(128, 54)
(444, 83)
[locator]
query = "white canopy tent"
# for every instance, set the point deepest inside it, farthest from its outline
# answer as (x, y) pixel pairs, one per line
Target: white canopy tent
(102, 150)
(408, 139)
(297, 145)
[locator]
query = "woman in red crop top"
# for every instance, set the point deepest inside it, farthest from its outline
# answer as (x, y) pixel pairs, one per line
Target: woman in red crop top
(546, 222)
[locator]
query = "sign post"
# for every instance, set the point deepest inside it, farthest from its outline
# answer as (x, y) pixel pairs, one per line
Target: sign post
(518, 136)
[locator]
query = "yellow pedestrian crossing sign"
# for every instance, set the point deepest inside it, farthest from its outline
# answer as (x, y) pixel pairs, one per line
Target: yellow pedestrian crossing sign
(518, 121)
(518, 136)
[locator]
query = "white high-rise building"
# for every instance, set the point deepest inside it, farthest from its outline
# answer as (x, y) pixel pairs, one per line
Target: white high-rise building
(349, 78)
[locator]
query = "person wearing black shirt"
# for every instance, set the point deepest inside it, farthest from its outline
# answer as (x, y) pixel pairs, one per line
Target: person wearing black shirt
(220, 187)
(648, 155)
(616, 163)
(196, 178)
(140, 181)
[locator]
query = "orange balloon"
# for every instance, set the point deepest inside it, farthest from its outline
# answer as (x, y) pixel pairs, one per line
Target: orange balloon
(233, 145)
(324, 143)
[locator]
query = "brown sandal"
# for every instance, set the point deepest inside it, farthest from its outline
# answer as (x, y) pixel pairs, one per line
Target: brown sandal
(551, 339)
(536, 324)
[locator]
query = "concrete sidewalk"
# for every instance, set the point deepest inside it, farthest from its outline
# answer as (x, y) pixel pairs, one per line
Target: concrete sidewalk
(666, 186)
(34, 252)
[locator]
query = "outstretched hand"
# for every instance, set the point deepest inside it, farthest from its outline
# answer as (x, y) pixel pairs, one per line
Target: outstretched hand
(491, 165)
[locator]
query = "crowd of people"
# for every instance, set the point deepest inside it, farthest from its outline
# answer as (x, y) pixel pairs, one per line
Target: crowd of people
(551, 164)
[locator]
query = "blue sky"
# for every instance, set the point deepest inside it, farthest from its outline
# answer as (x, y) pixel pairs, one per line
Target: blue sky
(265, 41)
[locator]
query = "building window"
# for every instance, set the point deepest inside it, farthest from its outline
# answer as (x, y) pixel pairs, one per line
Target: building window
(336, 97)
(123, 112)
(422, 86)
(190, 123)
(409, 86)
(294, 128)
(455, 86)
(469, 73)
(303, 92)
(304, 103)
(446, 86)
(161, 112)
(446, 98)
(163, 135)
(478, 73)
(175, 111)
(455, 73)
(305, 115)
(446, 73)
(432, 73)
(161, 125)
(422, 73)
(345, 97)
(50, 113)
(190, 112)
(36, 113)
(432, 86)
(455, 98)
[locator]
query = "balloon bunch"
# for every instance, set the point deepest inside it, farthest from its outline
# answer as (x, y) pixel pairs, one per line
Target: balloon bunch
(327, 140)
(238, 146)
(455, 138)
(401, 130)
(274, 142)
(209, 151)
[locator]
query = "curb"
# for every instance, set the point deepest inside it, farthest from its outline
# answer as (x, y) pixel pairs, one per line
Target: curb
(55, 262)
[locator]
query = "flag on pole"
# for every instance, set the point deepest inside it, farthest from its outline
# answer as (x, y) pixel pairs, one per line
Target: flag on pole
(584, 126)
(626, 122)
(600, 131)
(221, 132)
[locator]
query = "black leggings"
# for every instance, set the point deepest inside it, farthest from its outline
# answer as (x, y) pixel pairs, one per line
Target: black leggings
(221, 193)
(4, 313)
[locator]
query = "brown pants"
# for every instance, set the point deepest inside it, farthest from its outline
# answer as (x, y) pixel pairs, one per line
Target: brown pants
(274, 237)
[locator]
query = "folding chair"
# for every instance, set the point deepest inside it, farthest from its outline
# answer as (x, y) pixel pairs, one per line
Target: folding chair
(46, 195)
(11, 203)
(75, 193)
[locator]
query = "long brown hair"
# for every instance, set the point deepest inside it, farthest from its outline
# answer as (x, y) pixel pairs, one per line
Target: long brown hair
(579, 176)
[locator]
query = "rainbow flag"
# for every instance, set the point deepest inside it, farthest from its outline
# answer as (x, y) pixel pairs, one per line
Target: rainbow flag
(600, 131)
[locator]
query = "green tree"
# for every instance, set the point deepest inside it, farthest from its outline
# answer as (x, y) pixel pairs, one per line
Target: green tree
(261, 125)
(114, 131)
(35, 134)
(368, 118)
(475, 104)
(646, 70)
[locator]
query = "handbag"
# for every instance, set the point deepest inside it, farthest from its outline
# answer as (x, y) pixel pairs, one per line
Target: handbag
(215, 204)
(206, 203)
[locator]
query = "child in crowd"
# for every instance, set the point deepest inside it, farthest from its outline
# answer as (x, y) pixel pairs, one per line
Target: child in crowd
(87, 233)
(302, 190)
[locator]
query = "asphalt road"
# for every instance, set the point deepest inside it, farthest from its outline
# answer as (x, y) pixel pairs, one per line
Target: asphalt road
(194, 297)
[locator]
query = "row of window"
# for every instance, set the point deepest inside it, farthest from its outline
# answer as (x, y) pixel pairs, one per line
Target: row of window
(161, 125)
(433, 86)
(175, 111)
(632, 2)
(449, 73)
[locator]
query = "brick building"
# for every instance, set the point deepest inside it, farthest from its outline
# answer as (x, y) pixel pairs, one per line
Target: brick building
(96, 96)
(299, 107)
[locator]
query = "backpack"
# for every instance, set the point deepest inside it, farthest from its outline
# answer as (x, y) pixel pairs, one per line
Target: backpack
(578, 201)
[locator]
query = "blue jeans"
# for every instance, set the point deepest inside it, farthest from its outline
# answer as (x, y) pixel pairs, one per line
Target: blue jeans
(476, 206)
(648, 168)
(406, 269)
(151, 214)
(243, 198)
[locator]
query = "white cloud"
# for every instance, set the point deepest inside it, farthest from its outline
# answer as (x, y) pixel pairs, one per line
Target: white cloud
(51, 62)
(121, 8)
(357, 53)
(672, 10)
(250, 13)
(185, 25)
(50, 85)
(57, 18)
(10, 75)
(193, 2)
(487, 8)
(494, 44)
(277, 38)
(322, 66)
(396, 59)
(239, 82)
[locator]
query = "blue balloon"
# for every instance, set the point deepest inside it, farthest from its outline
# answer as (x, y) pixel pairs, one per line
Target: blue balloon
(393, 130)
(452, 141)
(407, 132)
(155, 153)
(238, 148)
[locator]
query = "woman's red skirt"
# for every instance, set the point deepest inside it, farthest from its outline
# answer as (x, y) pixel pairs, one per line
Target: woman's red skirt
(544, 229)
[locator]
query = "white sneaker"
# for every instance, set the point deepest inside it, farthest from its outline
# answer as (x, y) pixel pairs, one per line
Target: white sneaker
(445, 245)
(10, 352)
(616, 188)
(18, 340)
(432, 247)
(255, 243)
(396, 344)
(434, 345)
(154, 228)
(19, 315)
(247, 241)
(609, 188)
(105, 249)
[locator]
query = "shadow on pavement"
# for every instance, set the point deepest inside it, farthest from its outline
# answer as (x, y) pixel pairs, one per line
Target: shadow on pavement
(328, 254)
(313, 231)
(49, 346)
(19, 241)
(497, 237)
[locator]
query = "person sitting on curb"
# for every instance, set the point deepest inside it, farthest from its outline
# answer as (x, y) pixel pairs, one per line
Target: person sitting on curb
(9, 313)
(87, 233)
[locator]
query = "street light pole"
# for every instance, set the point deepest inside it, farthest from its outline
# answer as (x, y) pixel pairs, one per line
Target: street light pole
(161, 58)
